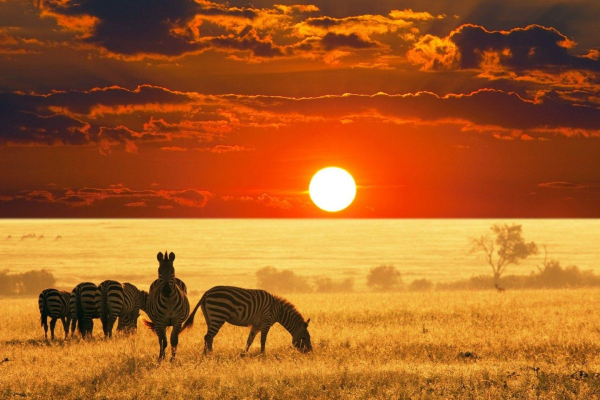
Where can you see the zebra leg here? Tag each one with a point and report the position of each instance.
(213, 329)
(52, 325)
(253, 332)
(264, 331)
(65, 322)
(162, 341)
(104, 320)
(175, 340)
(111, 324)
(45, 324)
(73, 326)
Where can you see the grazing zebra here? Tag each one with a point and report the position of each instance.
(109, 300)
(83, 308)
(167, 305)
(134, 300)
(248, 307)
(54, 304)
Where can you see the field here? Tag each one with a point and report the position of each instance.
(518, 344)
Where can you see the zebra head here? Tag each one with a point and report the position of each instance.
(128, 323)
(166, 272)
(301, 340)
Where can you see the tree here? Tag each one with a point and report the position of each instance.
(384, 278)
(328, 285)
(510, 244)
(285, 281)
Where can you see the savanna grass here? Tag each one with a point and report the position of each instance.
(518, 344)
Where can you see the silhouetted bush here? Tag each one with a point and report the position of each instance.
(384, 278)
(328, 285)
(285, 281)
(552, 276)
(421, 285)
(27, 283)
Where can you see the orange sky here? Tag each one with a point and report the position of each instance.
(186, 108)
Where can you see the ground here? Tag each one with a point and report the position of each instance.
(517, 344)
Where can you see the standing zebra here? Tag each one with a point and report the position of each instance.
(248, 307)
(109, 300)
(134, 300)
(167, 305)
(83, 308)
(55, 304)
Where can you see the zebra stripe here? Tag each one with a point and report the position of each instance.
(109, 300)
(83, 308)
(54, 304)
(167, 305)
(249, 307)
(134, 300)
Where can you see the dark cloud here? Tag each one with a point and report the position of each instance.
(474, 47)
(68, 117)
(24, 120)
(483, 107)
(334, 40)
(569, 185)
(130, 28)
(128, 197)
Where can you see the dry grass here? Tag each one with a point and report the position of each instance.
(519, 344)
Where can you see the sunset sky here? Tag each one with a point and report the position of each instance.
(183, 108)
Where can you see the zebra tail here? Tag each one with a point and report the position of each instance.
(149, 325)
(189, 322)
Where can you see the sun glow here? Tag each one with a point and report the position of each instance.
(332, 189)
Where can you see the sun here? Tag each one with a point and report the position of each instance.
(332, 189)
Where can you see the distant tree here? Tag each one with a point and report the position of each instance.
(421, 285)
(286, 281)
(384, 278)
(26, 283)
(328, 285)
(33, 282)
(6, 284)
(507, 244)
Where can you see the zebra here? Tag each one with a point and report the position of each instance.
(109, 300)
(167, 305)
(134, 300)
(83, 308)
(54, 304)
(258, 309)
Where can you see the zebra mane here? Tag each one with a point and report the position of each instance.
(289, 307)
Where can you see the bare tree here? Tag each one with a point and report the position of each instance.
(504, 247)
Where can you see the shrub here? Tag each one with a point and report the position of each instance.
(384, 278)
(27, 283)
(285, 281)
(328, 285)
(421, 285)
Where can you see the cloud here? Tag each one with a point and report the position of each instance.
(535, 53)
(127, 197)
(156, 117)
(569, 185)
(148, 29)
(333, 41)
(484, 107)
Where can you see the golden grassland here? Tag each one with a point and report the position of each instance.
(519, 344)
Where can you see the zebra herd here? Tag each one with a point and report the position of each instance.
(167, 305)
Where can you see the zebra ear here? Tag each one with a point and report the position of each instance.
(171, 257)
(307, 321)
(159, 257)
